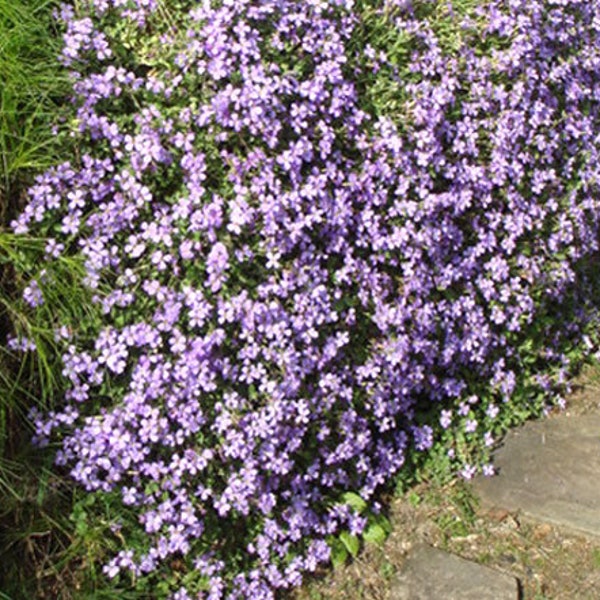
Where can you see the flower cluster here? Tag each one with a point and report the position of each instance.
(295, 276)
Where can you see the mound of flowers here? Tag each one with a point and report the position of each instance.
(304, 281)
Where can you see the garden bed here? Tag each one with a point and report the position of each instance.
(303, 253)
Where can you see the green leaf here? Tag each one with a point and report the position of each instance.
(354, 501)
(81, 526)
(385, 524)
(351, 542)
(375, 534)
(339, 554)
(414, 499)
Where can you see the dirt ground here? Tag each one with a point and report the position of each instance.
(550, 564)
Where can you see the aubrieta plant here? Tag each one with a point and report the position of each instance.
(304, 282)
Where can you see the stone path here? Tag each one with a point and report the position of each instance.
(549, 470)
(431, 574)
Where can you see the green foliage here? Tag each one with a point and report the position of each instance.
(45, 526)
(460, 517)
(33, 87)
(355, 502)
(38, 545)
(339, 552)
(64, 300)
(350, 542)
(376, 533)
(347, 545)
(384, 90)
(33, 525)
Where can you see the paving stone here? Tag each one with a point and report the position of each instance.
(432, 574)
(550, 470)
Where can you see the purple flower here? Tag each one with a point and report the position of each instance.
(32, 294)
(296, 273)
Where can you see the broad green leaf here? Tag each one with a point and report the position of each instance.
(375, 534)
(354, 501)
(339, 554)
(351, 542)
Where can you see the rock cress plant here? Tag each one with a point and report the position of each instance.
(297, 275)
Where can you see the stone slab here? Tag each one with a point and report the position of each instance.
(550, 470)
(432, 574)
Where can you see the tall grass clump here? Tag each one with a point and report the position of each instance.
(35, 501)
(34, 88)
(325, 243)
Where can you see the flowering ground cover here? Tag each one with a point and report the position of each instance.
(326, 245)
